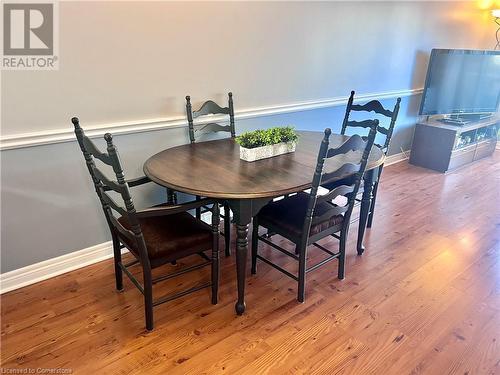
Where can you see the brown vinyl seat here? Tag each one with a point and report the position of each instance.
(287, 216)
(172, 237)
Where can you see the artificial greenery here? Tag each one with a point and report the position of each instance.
(267, 137)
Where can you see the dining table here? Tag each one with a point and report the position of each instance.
(214, 169)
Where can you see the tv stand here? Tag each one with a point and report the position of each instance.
(444, 147)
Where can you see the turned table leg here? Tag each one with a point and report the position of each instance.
(241, 262)
(244, 210)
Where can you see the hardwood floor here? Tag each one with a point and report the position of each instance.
(423, 299)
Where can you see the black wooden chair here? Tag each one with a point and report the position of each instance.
(306, 218)
(376, 107)
(207, 108)
(155, 236)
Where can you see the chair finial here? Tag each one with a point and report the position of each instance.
(328, 131)
(76, 122)
(353, 92)
(188, 98)
(398, 100)
(230, 94)
(109, 139)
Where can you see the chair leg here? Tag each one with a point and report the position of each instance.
(171, 197)
(301, 296)
(227, 229)
(372, 205)
(255, 244)
(198, 210)
(215, 253)
(148, 297)
(215, 273)
(118, 259)
(343, 240)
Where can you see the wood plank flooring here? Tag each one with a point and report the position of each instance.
(423, 299)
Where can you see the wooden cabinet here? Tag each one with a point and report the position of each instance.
(444, 147)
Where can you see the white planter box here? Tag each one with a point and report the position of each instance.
(264, 152)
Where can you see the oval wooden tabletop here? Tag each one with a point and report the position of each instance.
(214, 169)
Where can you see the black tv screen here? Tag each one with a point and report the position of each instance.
(461, 81)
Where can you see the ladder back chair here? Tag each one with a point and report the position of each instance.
(376, 107)
(154, 236)
(305, 218)
(211, 108)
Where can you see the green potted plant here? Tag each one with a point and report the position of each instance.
(262, 144)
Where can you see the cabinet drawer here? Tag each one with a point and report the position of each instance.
(462, 157)
(484, 149)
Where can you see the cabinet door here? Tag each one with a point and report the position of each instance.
(462, 156)
(485, 148)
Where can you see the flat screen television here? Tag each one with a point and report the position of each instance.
(461, 82)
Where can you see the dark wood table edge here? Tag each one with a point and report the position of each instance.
(239, 195)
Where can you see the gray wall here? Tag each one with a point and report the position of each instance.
(128, 61)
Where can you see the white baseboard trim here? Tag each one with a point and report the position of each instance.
(53, 267)
(66, 134)
(396, 158)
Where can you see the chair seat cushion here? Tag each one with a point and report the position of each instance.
(172, 237)
(287, 216)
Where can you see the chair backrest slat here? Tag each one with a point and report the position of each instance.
(110, 201)
(111, 185)
(338, 191)
(347, 169)
(208, 108)
(376, 107)
(352, 144)
(214, 127)
(94, 151)
(383, 130)
(372, 106)
(366, 124)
